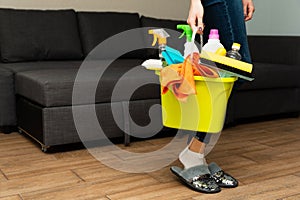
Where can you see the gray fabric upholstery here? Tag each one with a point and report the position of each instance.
(50, 87)
(59, 127)
(54, 87)
(268, 76)
(40, 65)
(32, 35)
(95, 27)
(144, 119)
(7, 99)
(265, 102)
(275, 49)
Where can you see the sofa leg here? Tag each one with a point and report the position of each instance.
(45, 148)
(126, 139)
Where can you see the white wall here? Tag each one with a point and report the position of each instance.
(275, 17)
(168, 9)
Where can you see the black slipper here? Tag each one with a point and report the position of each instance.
(197, 178)
(222, 178)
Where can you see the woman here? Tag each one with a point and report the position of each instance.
(228, 16)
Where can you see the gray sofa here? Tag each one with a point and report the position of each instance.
(42, 51)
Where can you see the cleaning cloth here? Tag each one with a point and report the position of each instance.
(180, 77)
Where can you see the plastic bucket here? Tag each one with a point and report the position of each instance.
(203, 112)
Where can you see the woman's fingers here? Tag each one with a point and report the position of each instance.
(195, 15)
(248, 9)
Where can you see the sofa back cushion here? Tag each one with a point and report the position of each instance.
(275, 49)
(30, 35)
(161, 23)
(95, 27)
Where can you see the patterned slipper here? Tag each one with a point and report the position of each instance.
(197, 178)
(222, 178)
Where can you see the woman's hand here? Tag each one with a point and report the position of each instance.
(196, 15)
(248, 9)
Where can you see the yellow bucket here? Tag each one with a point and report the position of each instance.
(203, 112)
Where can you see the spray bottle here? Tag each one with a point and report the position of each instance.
(189, 46)
(161, 36)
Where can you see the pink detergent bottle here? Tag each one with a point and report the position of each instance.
(213, 43)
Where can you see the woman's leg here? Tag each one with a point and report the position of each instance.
(199, 142)
(193, 154)
(236, 13)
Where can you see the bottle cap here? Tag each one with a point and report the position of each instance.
(236, 46)
(214, 34)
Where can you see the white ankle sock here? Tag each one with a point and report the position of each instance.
(190, 159)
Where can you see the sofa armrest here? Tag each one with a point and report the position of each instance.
(7, 99)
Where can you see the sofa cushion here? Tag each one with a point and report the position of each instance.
(31, 35)
(95, 27)
(40, 65)
(54, 87)
(162, 23)
(272, 76)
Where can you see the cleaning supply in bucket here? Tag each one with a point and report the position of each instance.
(192, 51)
(152, 64)
(234, 52)
(179, 77)
(172, 56)
(213, 56)
(167, 54)
(189, 46)
(227, 65)
(213, 45)
(161, 36)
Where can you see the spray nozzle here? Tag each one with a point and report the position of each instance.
(187, 30)
(159, 34)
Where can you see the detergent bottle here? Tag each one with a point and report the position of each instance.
(189, 46)
(234, 53)
(214, 45)
(161, 36)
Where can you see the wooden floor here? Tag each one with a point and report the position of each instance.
(264, 157)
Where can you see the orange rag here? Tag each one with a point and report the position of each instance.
(181, 77)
